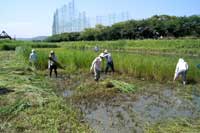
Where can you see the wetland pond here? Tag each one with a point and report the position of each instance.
(124, 112)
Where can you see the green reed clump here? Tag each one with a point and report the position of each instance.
(22, 53)
(7, 47)
(124, 87)
(18, 106)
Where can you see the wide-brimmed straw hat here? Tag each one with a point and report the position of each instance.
(105, 51)
(52, 52)
(101, 55)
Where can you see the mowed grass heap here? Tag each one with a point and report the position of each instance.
(28, 102)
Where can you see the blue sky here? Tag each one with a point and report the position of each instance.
(29, 18)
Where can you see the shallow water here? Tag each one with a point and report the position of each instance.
(196, 100)
(165, 105)
(109, 119)
(68, 93)
(127, 115)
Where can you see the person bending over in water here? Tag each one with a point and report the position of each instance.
(96, 66)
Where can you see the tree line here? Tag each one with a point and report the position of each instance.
(151, 28)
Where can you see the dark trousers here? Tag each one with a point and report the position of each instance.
(97, 74)
(53, 67)
(183, 74)
(110, 65)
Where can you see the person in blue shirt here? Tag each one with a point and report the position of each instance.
(109, 61)
(33, 58)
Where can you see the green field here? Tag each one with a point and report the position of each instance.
(177, 46)
(139, 97)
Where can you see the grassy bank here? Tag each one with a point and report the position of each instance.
(28, 102)
(174, 46)
(12, 44)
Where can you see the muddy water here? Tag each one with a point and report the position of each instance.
(162, 106)
(110, 119)
(196, 101)
(68, 93)
(111, 116)
(125, 114)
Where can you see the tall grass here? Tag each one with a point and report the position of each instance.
(187, 46)
(148, 67)
(72, 60)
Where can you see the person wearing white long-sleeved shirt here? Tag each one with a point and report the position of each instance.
(181, 69)
(96, 66)
(33, 58)
(109, 60)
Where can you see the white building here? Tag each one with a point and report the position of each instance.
(67, 19)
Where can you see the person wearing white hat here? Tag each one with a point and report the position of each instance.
(33, 58)
(52, 63)
(181, 69)
(96, 66)
(109, 60)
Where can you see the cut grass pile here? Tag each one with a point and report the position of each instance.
(123, 86)
(28, 102)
